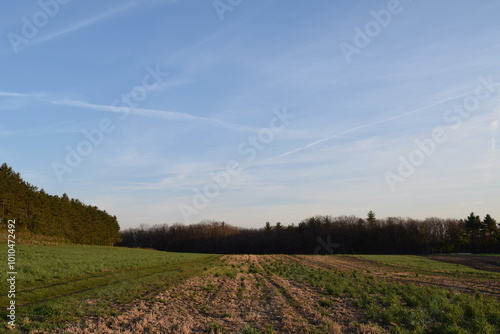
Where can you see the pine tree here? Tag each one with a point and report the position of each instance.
(371, 217)
(473, 222)
(490, 224)
(39, 213)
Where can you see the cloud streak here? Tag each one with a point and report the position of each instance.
(152, 113)
(5, 133)
(14, 94)
(494, 131)
(319, 141)
(88, 22)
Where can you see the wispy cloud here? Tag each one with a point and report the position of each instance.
(4, 133)
(14, 94)
(319, 141)
(169, 115)
(153, 113)
(494, 131)
(89, 21)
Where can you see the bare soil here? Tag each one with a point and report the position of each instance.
(463, 282)
(488, 263)
(248, 300)
(239, 297)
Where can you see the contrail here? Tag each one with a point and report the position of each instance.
(88, 22)
(13, 94)
(153, 113)
(134, 111)
(494, 132)
(160, 114)
(366, 126)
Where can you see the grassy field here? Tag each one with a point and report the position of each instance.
(77, 289)
(394, 300)
(61, 283)
(420, 262)
(51, 264)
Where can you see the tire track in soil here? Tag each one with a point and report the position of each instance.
(487, 287)
(342, 317)
(192, 308)
(291, 316)
(282, 315)
(200, 304)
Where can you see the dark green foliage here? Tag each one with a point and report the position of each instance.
(40, 213)
(490, 224)
(371, 217)
(473, 222)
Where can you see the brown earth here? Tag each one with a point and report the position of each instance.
(235, 302)
(488, 263)
(239, 297)
(464, 282)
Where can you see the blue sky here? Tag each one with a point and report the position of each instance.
(254, 111)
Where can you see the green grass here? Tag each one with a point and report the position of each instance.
(420, 262)
(40, 265)
(60, 284)
(401, 308)
(252, 330)
(56, 283)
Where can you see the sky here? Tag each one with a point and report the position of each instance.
(254, 111)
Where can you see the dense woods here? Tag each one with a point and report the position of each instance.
(40, 213)
(72, 221)
(325, 235)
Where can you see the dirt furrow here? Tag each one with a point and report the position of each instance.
(487, 287)
(326, 313)
(239, 298)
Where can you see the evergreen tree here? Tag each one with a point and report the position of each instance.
(490, 224)
(473, 222)
(39, 213)
(371, 217)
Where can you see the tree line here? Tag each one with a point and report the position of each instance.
(66, 218)
(325, 235)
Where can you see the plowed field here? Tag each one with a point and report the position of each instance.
(311, 294)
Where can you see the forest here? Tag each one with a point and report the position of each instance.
(39, 213)
(72, 221)
(325, 235)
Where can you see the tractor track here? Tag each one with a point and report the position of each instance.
(487, 287)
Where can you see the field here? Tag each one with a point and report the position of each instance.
(82, 289)
(57, 284)
(490, 263)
